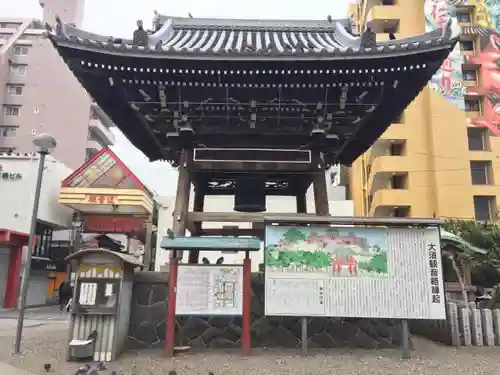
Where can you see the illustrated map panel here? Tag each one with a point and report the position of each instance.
(209, 290)
(353, 272)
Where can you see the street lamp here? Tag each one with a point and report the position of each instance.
(44, 144)
(76, 224)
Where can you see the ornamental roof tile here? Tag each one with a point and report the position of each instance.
(243, 39)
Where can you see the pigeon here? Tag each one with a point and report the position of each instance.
(220, 260)
(82, 370)
(47, 367)
(190, 15)
(170, 234)
(205, 260)
(329, 18)
(101, 366)
(392, 36)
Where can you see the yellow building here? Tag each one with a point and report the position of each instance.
(442, 157)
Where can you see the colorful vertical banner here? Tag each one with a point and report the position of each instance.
(485, 30)
(448, 79)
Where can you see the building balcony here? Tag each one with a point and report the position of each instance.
(473, 114)
(468, 53)
(384, 16)
(7, 142)
(13, 100)
(469, 83)
(9, 120)
(395, 132)
(383, 166)
(101, 132)
(385, 200)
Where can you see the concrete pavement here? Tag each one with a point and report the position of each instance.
(36, 313)
(7, 369)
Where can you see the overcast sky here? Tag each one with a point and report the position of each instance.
(118, 17)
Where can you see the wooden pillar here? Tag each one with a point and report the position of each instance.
(148, 251)
(179, 229)
(199, 202)
(170, 326)
(320, 189)
(182, 198)
(246, 327)
(301, 203)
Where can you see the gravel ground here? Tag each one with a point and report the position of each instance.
(46, 344)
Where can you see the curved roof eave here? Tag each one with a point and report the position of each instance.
(199, 39)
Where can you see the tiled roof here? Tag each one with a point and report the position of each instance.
(191, 37)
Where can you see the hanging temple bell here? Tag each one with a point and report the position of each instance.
(250, 194)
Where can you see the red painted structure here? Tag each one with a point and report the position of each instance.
(246, 314)
(15, 241)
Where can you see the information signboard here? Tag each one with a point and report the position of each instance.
(211, 243)
(354, 272)
(209, 290)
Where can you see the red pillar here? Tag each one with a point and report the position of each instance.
(172, 287)
(247, 306)
(13, 277)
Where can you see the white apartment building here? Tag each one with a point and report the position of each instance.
(38, 93)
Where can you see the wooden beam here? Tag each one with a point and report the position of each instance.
(235, 217)
(232, 232)
(304, 219)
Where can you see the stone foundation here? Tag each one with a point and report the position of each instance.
(149, 311)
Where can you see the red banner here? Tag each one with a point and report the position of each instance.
(113, 224)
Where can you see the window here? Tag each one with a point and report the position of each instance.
(398, 181)
(477, 139)
(18, 69)
(11, 110)
(401, 212)
(466, 45)
(15, 89)
(391, 30)
(20, 50)
(484, 207)
(397, 149)
(44, 239)
(480, 172)
(472, 105)
(8, 131)
(469, 75)
(464, 17)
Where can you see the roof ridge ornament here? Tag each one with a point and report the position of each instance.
(141, 37)
(59, 27)
(451, 29)
(368, 38)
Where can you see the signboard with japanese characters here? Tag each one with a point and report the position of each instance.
(9, 175)
(101, 199)
(113, 224)
(354, 272)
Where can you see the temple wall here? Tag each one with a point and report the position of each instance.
(149, 311)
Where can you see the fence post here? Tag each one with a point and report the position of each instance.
(487, 322)
(496, 325)
(452, 315)
(464, 321)
(476, 327)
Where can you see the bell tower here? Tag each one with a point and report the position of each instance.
(250, 175)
